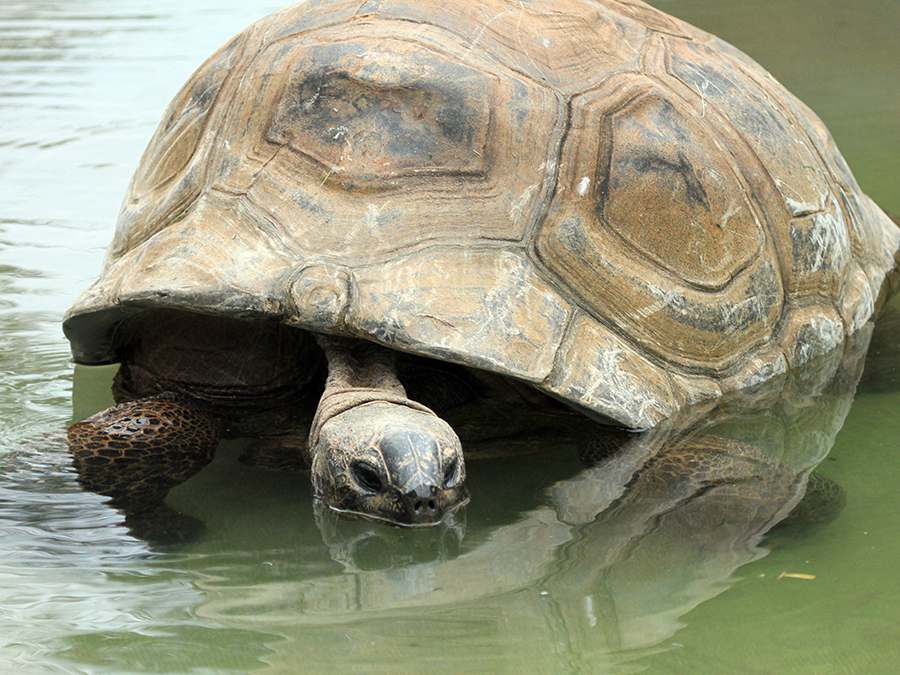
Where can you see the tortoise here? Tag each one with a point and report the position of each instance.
(591, 198)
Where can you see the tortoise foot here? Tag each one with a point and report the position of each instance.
(134, 452)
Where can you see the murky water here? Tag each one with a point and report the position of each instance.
(264, 589)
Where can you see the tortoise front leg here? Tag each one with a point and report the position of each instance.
(134, 452)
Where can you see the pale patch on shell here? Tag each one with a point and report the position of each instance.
(583, 185)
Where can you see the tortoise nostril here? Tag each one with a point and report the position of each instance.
(422, 505)
(366, 476)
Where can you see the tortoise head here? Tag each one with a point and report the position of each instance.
(388, 461)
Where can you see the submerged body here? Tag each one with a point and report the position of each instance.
(591, 198)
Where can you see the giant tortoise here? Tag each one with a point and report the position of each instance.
(586, 196)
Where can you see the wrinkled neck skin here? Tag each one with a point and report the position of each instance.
(358, 372)
(373, 451)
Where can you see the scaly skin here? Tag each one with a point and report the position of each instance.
(134, 452)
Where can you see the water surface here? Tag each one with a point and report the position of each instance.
(82, 87)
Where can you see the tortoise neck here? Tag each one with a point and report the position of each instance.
(357, 364)
(359, 372)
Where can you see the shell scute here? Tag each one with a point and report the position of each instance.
(668, 179)
(567, 45)
(600, 372)
(486, 308)
(820, 253)
(760, 120)
(654, 231)
(375, 113)
(173, 170)
(320, 296)
(179, 135)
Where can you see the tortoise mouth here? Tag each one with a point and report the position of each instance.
(448, 515)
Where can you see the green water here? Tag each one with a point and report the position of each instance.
(82, 86)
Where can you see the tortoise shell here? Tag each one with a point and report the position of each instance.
(591, 197)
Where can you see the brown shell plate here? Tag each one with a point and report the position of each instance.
(592, 197)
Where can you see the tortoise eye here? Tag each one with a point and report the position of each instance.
(366, 476)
